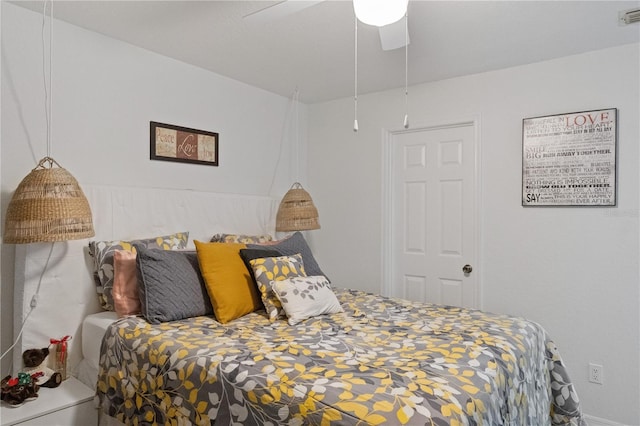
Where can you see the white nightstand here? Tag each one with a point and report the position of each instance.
(70, 404)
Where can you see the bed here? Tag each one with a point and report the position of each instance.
(381, 361)
(94, 327)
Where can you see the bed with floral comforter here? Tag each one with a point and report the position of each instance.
(382, 361)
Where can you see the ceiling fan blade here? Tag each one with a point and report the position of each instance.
(279, 10)
(392, 36)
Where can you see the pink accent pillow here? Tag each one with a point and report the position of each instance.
(125, 283)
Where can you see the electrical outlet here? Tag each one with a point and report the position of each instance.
(595, 373)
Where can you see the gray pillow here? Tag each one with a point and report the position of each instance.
(170, 285)
(293, 245)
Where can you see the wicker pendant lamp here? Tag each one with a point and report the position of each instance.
(297, 211)
(48, 206)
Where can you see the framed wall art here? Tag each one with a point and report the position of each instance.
(570, 159)
(182, 144)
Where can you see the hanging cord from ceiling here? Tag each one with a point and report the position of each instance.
(296, 130)
(48, 90)
(355, 77)
(406, 73)
(48, 96)
(292, 112)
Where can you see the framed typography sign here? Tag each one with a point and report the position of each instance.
(570, 159)
(182, 144)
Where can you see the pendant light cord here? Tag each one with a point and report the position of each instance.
(296, 95)
(47, 109)
(355, 77)
(48, 90)
(292, 110)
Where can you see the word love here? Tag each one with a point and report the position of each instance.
(595, 119)
(189, 146)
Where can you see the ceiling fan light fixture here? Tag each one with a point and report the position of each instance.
(631, 16)
(380, 12)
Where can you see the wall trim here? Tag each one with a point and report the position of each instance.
(596, 421)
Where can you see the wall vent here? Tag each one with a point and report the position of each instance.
(631, 16)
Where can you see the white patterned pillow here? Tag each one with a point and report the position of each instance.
(306, 297)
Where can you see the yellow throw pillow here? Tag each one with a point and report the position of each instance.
(231, 289)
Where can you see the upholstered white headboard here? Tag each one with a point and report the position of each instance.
(67, 291)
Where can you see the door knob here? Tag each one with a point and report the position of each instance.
(467, 269)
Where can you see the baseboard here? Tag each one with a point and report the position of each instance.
(596, 421)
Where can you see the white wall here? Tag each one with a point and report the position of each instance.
(574, 270)
(105, 92)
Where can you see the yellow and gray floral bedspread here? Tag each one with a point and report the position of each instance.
(382, 361)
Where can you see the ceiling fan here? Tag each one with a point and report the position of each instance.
(392, 36)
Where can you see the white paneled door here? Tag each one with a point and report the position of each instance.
(433, 217)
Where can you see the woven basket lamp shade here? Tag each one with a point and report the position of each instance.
(297, 211)
(48, 206)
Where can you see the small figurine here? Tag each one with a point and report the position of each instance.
(16, 390)
(34, 364)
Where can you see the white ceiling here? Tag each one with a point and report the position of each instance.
(313, 49)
